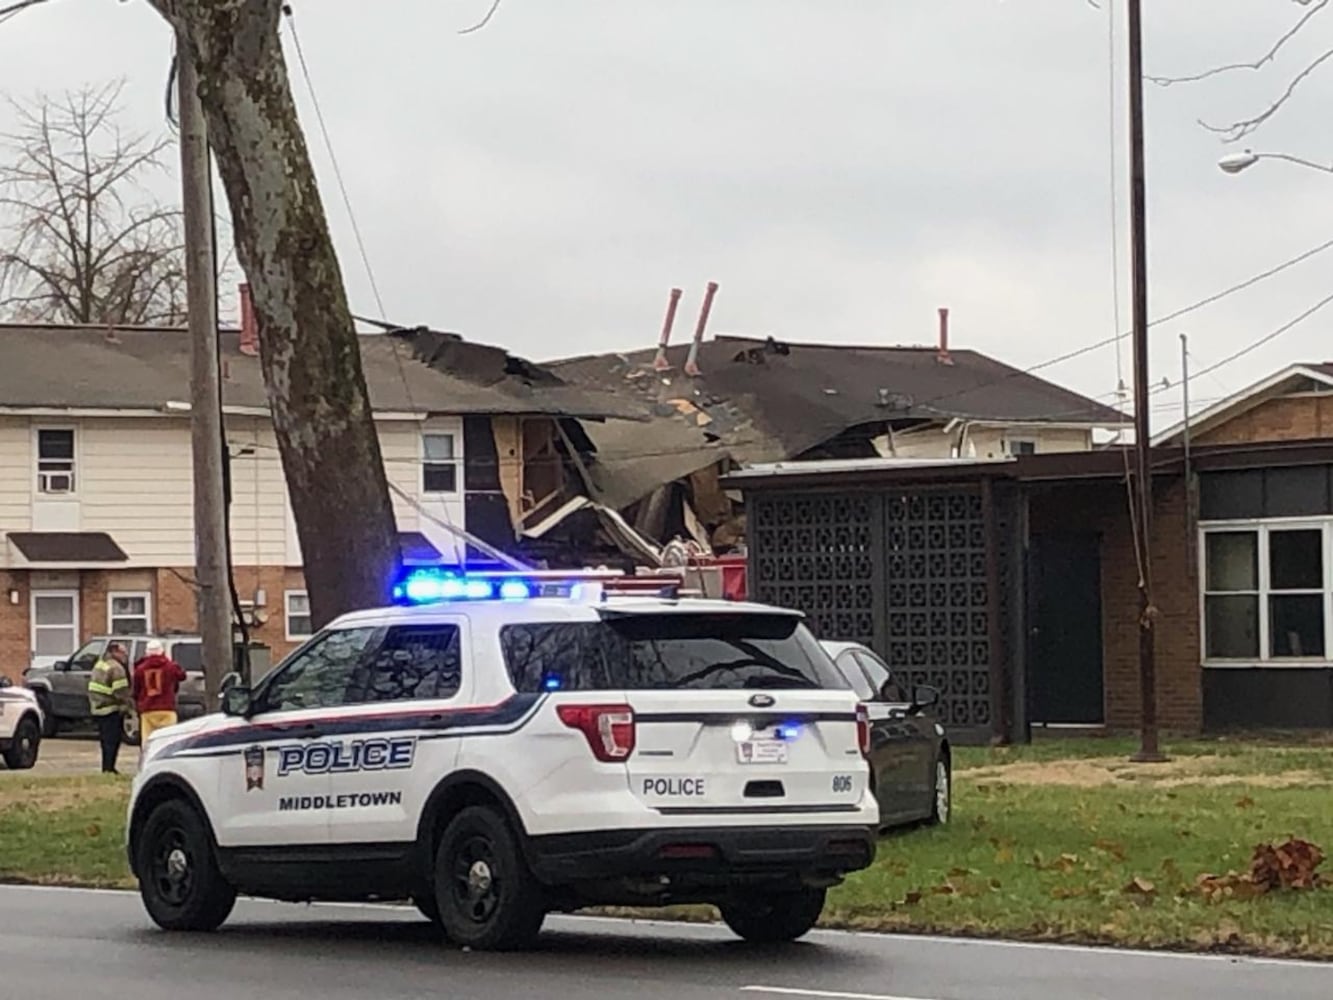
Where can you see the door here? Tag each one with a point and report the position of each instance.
(915, 731)
(1065, 651)
(894, 755)
(274, 787)
(69, 683)
(54, 615)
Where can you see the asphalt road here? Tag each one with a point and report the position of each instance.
(56, 944)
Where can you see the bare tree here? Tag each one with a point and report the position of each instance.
(308, 344)
(1236, 130)
(83, 241)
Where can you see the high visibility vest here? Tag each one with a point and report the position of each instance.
(108, 688)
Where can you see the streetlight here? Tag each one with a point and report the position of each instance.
(1234, 163)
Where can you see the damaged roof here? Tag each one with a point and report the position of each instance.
(759, 401)
(66, 367)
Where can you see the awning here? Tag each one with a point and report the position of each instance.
(67, 547)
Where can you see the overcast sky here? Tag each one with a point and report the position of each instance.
(840, 167)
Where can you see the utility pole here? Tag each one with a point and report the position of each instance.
(210, 523)
(1141, 511)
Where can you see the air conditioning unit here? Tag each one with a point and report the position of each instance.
(56, 482)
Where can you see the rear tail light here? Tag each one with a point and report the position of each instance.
(609, 729)
(863, 729)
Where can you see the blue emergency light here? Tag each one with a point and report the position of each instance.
(432, 585)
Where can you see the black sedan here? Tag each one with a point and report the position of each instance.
(910, 763)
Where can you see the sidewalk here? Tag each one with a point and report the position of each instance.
(74, 755)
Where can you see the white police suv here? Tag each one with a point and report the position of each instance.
(496, 748)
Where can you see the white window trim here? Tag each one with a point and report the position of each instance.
(73, 596)
(37, 460)
(1263, 526)
(455, 461)
(147, 609)
(287, 615)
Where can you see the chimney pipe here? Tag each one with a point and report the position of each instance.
(660, 362)
(249, 324)
(692, 362)
(943, 357)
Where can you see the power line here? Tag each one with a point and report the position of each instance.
(1107, 341)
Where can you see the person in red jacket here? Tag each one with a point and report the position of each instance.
(157, 679)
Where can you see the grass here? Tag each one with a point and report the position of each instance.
(1045, 844)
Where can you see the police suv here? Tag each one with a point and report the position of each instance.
(496, 748)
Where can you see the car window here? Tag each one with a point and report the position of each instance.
(87, 655)
(190, 655)
(879, 675)
(139, 650)
(318, 675)
(644, 652)
(413, 662)
(850, 669)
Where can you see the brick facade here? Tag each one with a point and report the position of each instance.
(1287, 418)
(173, 605)
(1103, 507)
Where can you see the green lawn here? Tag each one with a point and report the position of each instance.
(1046, 842)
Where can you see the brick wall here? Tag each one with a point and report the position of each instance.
(1288, 418)
(14, 632)
(1103, 507)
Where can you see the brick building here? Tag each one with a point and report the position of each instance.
(1012, 584)
(96, 479)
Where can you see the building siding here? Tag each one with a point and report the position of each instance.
(1287, 418)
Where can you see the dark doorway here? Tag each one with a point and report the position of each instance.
(1065, 662)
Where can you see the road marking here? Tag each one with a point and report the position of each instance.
(828, 994)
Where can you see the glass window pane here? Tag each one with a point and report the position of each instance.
(1296, 625)
(318, 676)
(438, 447)
(190, 655)
(58, 444)
(439, 479)
(1231, 627)
(53, 641)
(53, 610)
(414, 662)
(1233, 560)
(1296, 560)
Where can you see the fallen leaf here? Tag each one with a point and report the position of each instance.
(93, 830)
(1245, 802)
(912, 898)
(1141, 887)
(1110, 847)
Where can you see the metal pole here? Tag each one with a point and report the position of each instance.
(1148, 744)
(1185, 394)
(210, 524)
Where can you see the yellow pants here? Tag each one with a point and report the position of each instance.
(151, 721)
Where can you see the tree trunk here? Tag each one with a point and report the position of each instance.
(308, 344)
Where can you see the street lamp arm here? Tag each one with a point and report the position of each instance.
(1234, 163)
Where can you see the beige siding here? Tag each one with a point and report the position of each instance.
(258, 494)
(136, 484)
(16, 476)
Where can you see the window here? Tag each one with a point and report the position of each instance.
(439, 469)
(881, 678)
(855, 676)
(55, 460)
(55, 623)
(666, 652)
(1267, 593)
(190, 655)
(413, 662)
(129, 614)
(1022, 447)
(318, 675)
(297, 612)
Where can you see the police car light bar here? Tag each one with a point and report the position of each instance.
(437, 584)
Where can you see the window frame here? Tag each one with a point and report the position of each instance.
(1264, 527)
(291, 636)
(144, 595)
(38, 474)
(452, 463)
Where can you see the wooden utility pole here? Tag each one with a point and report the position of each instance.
(1141, 511)
(210, 522)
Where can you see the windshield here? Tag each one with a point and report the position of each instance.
(668, 651)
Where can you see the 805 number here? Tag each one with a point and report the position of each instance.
(842, 782)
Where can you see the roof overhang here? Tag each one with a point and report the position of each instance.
(1238, 403)
(65, 550)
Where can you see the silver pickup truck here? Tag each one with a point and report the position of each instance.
(62, 688)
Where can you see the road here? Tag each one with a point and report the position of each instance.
(56, 944)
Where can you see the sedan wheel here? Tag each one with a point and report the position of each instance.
(943, 803)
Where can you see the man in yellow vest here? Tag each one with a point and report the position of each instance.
(110, 700)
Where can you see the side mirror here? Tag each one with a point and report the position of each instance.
(60, 665)
(236, 700)
(229, 682)
(924, 696)
(5, 682)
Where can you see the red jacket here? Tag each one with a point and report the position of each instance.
(156, 681)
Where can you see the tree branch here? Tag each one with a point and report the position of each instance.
(495, 5)
(1315, 7)
(1239, 130)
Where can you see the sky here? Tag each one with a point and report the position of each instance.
(842, 168)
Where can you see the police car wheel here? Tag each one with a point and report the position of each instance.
(22, 752)
(773, 918)
(486, 896)
(179, 880)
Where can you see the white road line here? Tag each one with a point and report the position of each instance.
(829, 994)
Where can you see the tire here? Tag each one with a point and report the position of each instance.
(773, 918)
(50, 724)
(941, 804)
(486, 896)
(179, 881)
(130, 730)
(23, 748)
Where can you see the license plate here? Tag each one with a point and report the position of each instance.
(762, 752)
